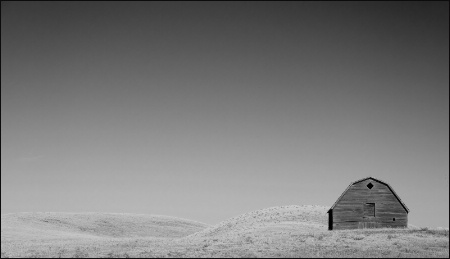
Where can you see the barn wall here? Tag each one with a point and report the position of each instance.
(349, 211)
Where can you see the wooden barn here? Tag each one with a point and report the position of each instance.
(368, 203)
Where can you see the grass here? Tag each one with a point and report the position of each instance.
(287, 231)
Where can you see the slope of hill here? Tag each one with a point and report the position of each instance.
(84, 225)
(294, 217)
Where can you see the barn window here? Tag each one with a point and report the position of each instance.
(370, 185)
(393, 219)
(369, 210)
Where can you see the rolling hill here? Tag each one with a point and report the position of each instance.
(294, 217)
(285, 231)
(84, 225)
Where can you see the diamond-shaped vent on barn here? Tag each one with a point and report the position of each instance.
(370, 185)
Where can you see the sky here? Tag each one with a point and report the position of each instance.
(208, 110)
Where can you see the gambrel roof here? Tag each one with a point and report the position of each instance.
(390, 188)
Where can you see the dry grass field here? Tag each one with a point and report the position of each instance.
(286, 231)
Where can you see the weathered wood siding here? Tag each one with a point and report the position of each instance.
(354, 210)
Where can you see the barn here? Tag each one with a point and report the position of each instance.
(368, 203)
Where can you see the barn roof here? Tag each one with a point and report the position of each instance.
(390, 188)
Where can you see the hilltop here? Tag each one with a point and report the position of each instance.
(294, 217)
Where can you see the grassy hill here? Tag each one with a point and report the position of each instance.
(293, 218)
(84, 225)
(286, 231)
(71, 234)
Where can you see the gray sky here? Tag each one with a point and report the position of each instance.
(209, 110)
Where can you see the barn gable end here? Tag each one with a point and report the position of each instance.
(368, 203)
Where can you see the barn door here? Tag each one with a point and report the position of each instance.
(368, 216)
(369, 210)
